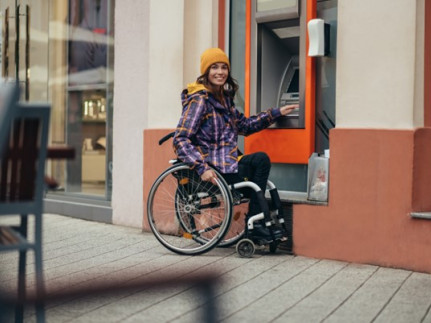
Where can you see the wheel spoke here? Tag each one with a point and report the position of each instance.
(187, 215)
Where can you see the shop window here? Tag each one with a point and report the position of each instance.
(62, 51)
(89, 95)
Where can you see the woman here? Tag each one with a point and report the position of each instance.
(207, 133)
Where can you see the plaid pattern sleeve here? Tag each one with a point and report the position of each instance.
(248, 126)
(188, 125)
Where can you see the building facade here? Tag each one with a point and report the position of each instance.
(365, 99)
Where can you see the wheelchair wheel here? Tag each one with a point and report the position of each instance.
(237, 227)
(187, 215)
(245, 248)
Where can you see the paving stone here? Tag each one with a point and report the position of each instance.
(80, 254)
(411, 303)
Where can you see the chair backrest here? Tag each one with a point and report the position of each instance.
(22, 166)
(9, 96)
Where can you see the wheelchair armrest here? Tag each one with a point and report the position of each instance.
(168, 136)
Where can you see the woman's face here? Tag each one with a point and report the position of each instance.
(218, 74)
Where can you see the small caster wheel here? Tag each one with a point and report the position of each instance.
(245, 248)
(273, 246)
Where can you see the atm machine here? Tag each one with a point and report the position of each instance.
(279, 65)
(280, 73)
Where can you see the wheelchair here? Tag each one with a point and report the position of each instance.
(189, 216)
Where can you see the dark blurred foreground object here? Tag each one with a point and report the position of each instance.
(204, 285)
(9, 96)
(23, 150)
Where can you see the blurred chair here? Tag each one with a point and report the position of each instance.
(9, 96)
(22, 167)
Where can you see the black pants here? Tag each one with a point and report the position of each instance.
(255, 168)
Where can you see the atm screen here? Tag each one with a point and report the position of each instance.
(278, 76)
(291, 96)
(294, 84)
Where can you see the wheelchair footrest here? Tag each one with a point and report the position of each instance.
(262, 235)
(241, 201)
(238, 198)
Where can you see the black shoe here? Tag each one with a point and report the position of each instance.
(263, 233)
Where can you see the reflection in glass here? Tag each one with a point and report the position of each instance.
(88, 41)
(87, 48)
(87, 133)
(88, 85)
(64, 54)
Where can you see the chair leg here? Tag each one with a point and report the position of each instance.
(40, 288)
(19, 310)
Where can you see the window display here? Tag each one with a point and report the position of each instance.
(89, 78)
(70, 65)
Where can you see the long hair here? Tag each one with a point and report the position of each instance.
(230, 87)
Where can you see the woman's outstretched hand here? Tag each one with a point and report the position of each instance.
(285, 110)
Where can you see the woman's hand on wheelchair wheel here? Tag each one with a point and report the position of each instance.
(209, 176)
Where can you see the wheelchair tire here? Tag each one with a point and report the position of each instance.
(187, 215)
(236, 231)
(245, 248)
(237, 225)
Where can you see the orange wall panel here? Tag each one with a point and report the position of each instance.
(284, 145)
(372, 190)
(156, 160)
(427, 65)
(422, 170)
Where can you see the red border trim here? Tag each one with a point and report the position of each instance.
(427, 65)
(247, 57)
(221, 23)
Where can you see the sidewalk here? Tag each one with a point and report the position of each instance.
(265, 288)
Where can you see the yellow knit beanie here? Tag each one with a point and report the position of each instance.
(211, 56)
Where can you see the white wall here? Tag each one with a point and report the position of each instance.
(200, 33)
(130, 108)
(179, 32)
(376, 61)
(166, 62)
(418, 113)
(157, 51)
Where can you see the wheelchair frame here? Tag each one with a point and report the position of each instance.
(203, 213)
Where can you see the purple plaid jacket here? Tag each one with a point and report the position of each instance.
(207, 132)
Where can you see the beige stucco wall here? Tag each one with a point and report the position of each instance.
(165, 61)
(130, 102)
(179, 32)
(200, 33)
(157, 49)
(418, 112)
(378, 57)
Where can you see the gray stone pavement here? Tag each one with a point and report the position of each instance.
(266, 288)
